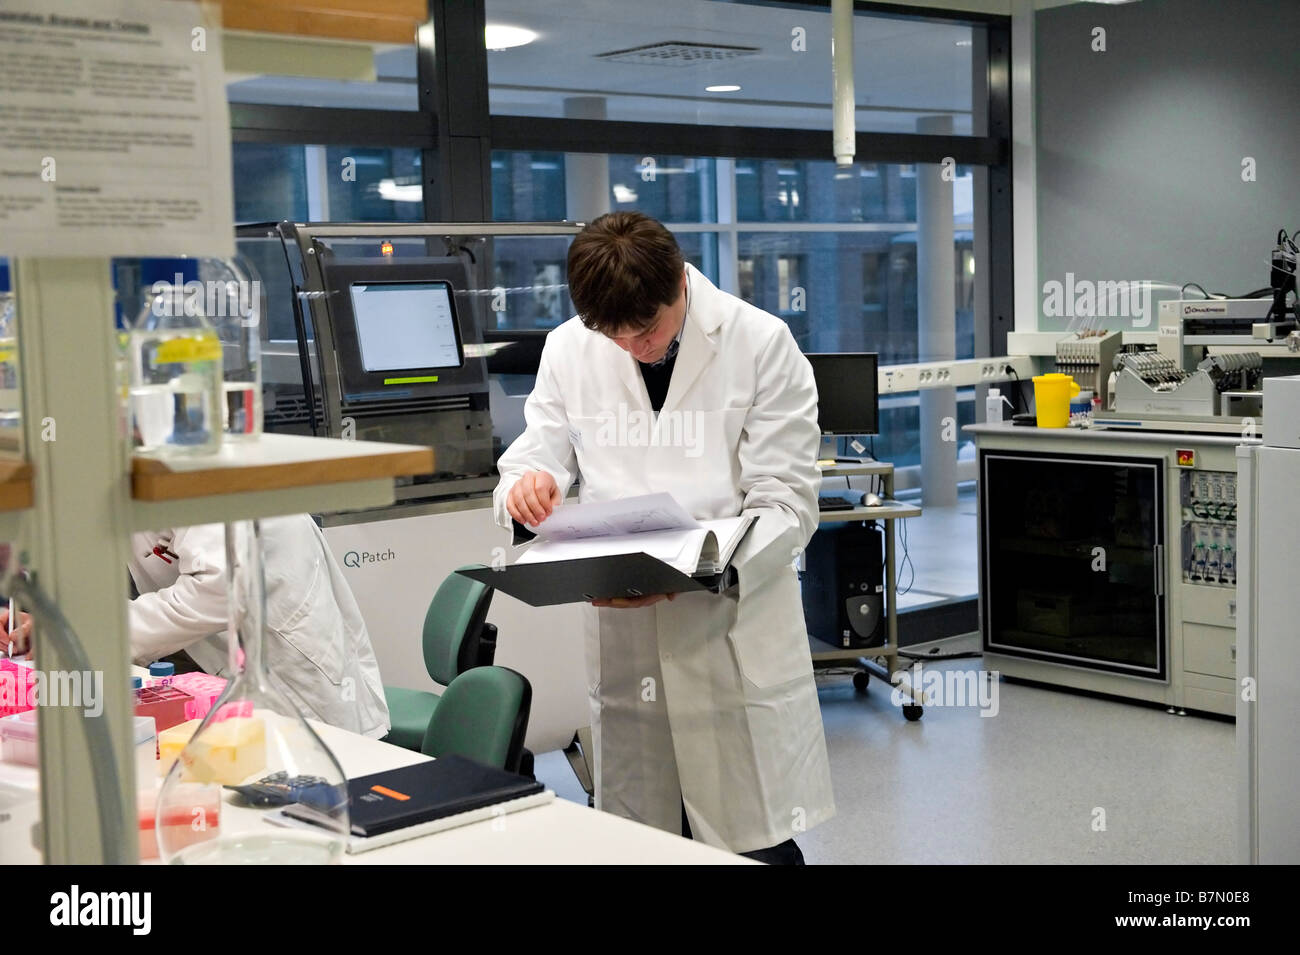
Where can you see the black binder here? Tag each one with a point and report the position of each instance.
(595, 578)
(399, 798)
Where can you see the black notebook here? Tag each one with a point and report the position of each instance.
(399, 798)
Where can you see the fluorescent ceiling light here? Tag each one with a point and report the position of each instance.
(722, 89)
(499, 36)
(963, 43)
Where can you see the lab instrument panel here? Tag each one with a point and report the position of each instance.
(387, 332)
(1209, 527)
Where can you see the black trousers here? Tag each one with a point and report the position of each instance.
(786, 853)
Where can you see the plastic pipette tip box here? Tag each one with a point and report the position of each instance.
(166, 704)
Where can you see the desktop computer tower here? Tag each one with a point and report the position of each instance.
(843, 585)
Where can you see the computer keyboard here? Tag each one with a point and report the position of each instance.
(836, 502)
(828, 502)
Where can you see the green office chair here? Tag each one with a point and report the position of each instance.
(482, 715)
(456, 638)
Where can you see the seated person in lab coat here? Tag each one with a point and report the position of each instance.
(704, 708)
(315, 644)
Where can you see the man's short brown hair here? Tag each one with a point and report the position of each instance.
(623, 267)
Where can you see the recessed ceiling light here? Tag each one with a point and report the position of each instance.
(498, 36)
(722, 89)
(963, 42)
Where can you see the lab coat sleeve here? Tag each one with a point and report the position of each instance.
(192, 608)
(545, 443)
(778, 462)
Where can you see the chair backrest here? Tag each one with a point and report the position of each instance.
(452, 626)
(482, 715)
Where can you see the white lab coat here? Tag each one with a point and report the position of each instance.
(315, 644)
(707, 700)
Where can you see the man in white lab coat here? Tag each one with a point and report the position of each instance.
(315, 645)
(704, 707)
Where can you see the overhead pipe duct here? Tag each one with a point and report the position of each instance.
(844, 133)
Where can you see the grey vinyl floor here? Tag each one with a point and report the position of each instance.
(1052, 778)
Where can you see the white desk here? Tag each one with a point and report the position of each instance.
(560, 832)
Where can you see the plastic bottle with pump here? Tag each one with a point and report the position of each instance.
(993, 405)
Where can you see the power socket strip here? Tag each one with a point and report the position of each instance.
(892, 379)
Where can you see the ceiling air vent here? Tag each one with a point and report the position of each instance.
(677, 53)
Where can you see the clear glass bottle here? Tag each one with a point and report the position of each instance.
(11, 418)
(253, 734)
(176, 391)
(236, 309)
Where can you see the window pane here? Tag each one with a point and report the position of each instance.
(270, 182)
(326, 184)
(769, 190)
(528, 187)
(654, 62)
(850, 291)
(373, 185)
(533, 187)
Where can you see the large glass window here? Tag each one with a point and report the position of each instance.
(844, 281)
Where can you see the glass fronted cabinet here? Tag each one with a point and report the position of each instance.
(1073, 560)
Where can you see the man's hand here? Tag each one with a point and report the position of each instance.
(632, 603)
(21, 638)
(533, 498)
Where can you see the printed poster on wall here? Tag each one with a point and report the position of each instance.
(114, 130)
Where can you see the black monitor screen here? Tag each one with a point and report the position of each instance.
(405, 325)
(846, 392)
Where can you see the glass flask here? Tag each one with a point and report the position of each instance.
(176, 391)
(251, 757)
(236, 306)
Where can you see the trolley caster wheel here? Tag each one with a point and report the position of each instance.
(860, 681)
(913, 711)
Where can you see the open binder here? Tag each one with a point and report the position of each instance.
(628, 548)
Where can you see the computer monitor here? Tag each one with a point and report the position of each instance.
(847, 397)
(406, 326)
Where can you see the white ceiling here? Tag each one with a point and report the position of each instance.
(903, 69)
(899, 64)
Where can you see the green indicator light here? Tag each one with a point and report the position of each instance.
(419, 379)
